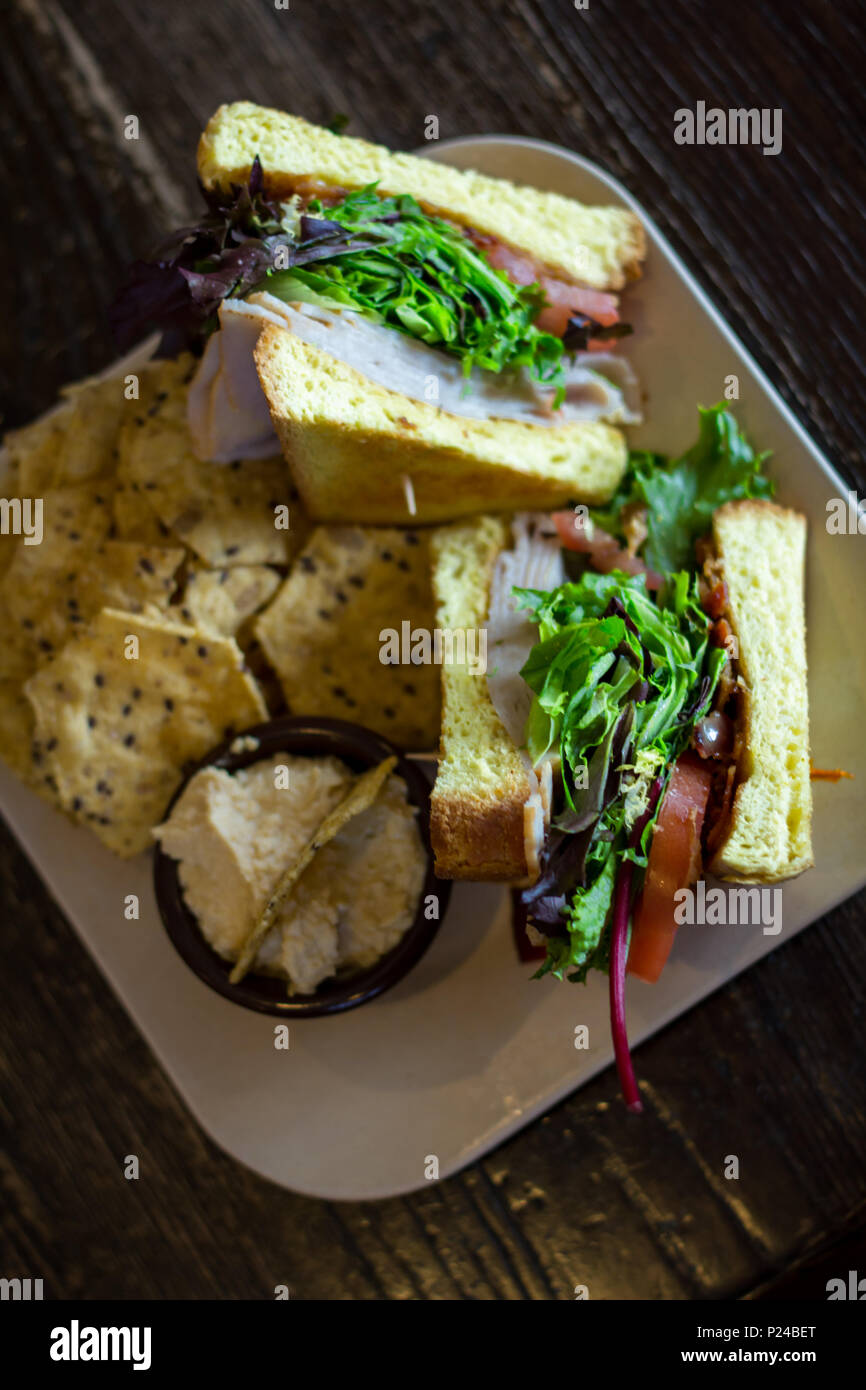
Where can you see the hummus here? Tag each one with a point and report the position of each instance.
(233, 835)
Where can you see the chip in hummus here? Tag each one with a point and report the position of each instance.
(235, 834)
(358, 896)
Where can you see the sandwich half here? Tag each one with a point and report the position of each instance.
(446, 341)
(485, 807)
(644, 713)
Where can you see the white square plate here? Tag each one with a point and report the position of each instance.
(468, 1048)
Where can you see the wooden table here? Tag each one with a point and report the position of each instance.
(771, 1067)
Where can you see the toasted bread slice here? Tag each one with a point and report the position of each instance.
(351, 444)
(482, 785)
(762, 547)
(600, 247)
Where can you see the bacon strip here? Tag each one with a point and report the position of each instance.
(604, 550)
(564, 299)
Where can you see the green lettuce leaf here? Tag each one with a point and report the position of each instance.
(681, 494)
(587, 917)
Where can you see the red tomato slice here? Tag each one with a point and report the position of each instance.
(674, 862)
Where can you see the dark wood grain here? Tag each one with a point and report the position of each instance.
(771, 1067)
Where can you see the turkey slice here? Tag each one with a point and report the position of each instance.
(228, 413)
(533, 562)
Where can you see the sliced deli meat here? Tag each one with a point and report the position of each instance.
(534, 561)
(229, 417)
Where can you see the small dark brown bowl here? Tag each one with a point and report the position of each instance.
(359, 748)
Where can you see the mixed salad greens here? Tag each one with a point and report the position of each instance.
(386, 258)
(620, 677)
(383, 257)
(620, 680)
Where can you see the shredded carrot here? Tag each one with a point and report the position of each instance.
(829, 774)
